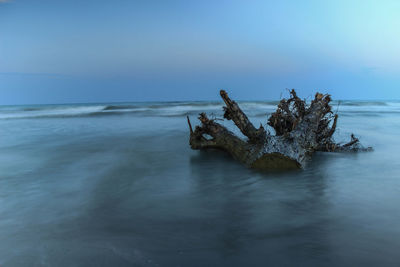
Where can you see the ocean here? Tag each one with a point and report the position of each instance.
(118, 185)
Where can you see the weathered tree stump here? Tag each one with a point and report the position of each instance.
(300, 130)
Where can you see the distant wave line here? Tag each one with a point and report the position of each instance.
(254, 109)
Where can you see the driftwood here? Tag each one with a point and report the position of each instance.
(300, 130)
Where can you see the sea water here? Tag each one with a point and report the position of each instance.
(118, 185)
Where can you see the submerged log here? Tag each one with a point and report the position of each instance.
(300, 130)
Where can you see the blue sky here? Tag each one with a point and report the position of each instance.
(146, 50)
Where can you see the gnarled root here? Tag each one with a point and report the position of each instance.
(300, 129)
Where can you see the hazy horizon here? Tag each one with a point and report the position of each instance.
(216, 100)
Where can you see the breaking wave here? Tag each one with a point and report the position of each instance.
(179, 109)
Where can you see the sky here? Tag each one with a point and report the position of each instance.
(69, 51)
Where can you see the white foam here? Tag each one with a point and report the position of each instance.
(51, 112)
(178, 109)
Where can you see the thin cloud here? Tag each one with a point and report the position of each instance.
(5, 1)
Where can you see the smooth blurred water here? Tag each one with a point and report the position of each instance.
(118, 185)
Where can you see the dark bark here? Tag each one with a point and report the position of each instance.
(300, 130)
